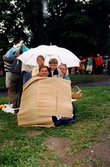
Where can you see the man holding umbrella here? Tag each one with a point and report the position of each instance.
(16, 78)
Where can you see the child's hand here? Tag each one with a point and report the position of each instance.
(38, 74)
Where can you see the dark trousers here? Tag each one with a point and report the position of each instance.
(98, 70)
(64, 121)
(16, 89)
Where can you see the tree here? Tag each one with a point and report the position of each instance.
(81, 26)
(72, 26)
(99, 12)
(22, 20)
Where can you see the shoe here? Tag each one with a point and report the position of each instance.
(72, 120)
(16, 111)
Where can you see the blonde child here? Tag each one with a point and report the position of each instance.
(64, 70)
(40, 62)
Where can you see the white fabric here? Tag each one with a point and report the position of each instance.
(8, 109)
(61, 54)
(27, 68)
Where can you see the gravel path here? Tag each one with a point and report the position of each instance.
(93, 84)
(3, 94)
(89, 84)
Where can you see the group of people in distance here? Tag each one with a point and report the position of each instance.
(16, 78)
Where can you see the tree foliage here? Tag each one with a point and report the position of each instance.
(81, 26)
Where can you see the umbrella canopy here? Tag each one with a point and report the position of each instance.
(61, 54)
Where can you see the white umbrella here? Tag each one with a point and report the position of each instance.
(61, 54)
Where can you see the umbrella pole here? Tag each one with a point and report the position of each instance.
(60, 59)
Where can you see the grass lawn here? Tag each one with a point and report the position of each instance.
(31, 146)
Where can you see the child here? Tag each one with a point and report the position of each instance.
(40, 62)
(61, 120)
(64, 69)
(53, 66)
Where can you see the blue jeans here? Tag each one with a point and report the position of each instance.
(26, 76)
(63, 120)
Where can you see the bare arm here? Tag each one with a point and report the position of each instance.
(18, 51)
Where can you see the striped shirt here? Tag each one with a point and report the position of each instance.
(7, 67)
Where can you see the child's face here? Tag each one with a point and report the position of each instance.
(40, 61)
(44, 72)
(53, 66)
(63, 69)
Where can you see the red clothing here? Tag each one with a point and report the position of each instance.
(98, 61)
(79, 68)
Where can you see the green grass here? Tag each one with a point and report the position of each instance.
(17, 149)
(2, 82)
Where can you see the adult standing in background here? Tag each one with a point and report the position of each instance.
(7, 69)
(89, 66)
(98, 64)
(16, 78)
